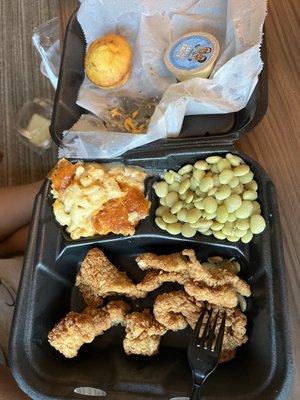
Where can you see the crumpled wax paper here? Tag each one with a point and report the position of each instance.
(150, 26)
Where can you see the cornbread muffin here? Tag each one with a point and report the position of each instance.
(108, 61)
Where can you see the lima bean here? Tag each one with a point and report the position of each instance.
(186, 169)
(206, 183)
(184, 186)
(210, 204)
(223, 192)
(169, 218)
(223, 164)
(245, 210)
(257, 224)
(222, 214)
(247, 238)
(250, 195)
(189, 197)
(160, 210)
(233, 202)
(160, 223)
(234, 160)
(174, 229)
(207, 233)
(246, 178)
(234, 182)
(160, 188)
(201, 164)
(214, 169)
(209, 215)
(231, 217)
(251, 185)
(187, 231)
(232, 238)
(204, 223)
(181, 215)
(241, 170)
(243, 224)
(225, 176)
(193, 215)
(174, 187)
(213, 159)
(169, 177)
(219, 235)
(238, 189)
(176, 207)
(216, 226)
(171, 198)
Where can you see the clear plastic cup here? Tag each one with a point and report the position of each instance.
(33, 122)
(46, 40)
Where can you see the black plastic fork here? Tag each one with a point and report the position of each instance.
(203, 355)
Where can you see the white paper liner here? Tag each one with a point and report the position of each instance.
(150, 26)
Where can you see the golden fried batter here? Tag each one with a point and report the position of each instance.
(235, 330)
(215, 277)
(218, 286)
(154, 279)
(143, 334)
(75, 329)
(98, 278)
(175, 262)
(175, 310)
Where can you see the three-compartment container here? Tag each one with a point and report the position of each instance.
(262, 367)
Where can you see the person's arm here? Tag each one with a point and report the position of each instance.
(15, 244)
(16, 205)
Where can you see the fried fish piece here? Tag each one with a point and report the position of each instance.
(215, 277)
(75, 329)
(175, 310)
(218, 286)
(175, 262)
(143, 333)
(224, 296)
(99, 278)
(235, 330)
(154, 279)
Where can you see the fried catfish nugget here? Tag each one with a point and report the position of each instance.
(217, 286)
(143, 334)
(99, 278)
(235, 330)
(175, 310)
(75, 329)
(175, 262)
(154, 279)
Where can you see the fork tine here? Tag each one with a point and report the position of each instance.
(203, 337)
(199, 324)
(211, 335)
(219, 341)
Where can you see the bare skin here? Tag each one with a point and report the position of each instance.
(16, 204)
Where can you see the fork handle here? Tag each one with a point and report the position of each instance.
(196, 393)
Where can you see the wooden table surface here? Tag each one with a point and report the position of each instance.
(274, 143)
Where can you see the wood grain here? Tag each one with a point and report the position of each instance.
(275, 142)
(20, 81)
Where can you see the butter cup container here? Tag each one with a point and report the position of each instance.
(192, 55)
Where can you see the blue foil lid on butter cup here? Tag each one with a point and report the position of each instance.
(192, 55)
